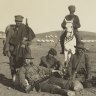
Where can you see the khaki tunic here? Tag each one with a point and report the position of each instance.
(32, 73)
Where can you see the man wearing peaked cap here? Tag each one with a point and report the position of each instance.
(52, 51)
(76, 25)
(49, 61)
(18, 40)
(19, 18)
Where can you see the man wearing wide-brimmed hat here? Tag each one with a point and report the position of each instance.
(31, 73)
(76, 24)
(79, 64)
(18, 38)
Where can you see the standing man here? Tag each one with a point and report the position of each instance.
(18, 39)
(79, 64)
(76, 25)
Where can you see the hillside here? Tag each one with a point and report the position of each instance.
(84, 34)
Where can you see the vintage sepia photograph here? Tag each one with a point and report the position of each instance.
(47, 48)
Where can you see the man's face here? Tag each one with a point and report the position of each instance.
(18, 23)
(72, 12)
(27, 61)
(50, 55)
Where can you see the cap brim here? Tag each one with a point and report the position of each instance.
(28, 58)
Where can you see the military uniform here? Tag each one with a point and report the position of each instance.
(76, 25)
(81, 64)
(18, 38)
(64, 85)
(32, 73)
(50, 61)
(55, 84)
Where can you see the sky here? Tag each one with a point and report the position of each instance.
(47, 15)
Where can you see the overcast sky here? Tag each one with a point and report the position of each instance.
(47, 15)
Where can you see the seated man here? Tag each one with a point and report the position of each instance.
(49, 61)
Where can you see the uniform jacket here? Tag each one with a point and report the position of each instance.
(76, 22)
(76, 25)
(15, 36)
(32, 73)
(84, 64)
(50, 62)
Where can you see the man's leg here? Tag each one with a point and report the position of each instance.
(62, 40)
(64, 84)
(52, 88)
(62, 43)
(12, 68)
(78, 37)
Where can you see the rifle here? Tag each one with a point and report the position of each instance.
(27, 28)
(30, 31)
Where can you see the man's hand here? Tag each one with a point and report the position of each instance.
(24, 42)
(71, 93)
(23, 46)
(58, 71)
(7, 53)
(28, 88)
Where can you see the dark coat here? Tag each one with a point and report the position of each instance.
(76, 25)
(51, 62)
(32, 73)
(14, 38)
(76, 22)
(83, 67)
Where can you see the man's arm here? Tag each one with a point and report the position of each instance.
(58, 65)
(9, 32)
(43, 62)
(63, 25)
(76, 22)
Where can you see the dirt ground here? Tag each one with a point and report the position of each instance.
(6, 85)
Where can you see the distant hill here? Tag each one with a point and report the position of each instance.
(84, 34)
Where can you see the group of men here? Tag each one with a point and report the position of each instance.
(50, 75)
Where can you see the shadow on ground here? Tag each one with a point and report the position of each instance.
(5, 81)
(8, 83)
